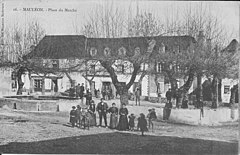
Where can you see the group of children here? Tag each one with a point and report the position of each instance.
(142, 121)
(80, 117)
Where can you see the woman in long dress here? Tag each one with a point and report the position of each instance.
(123, 120)
(91, 110)
(113, 117)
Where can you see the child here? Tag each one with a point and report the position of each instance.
(142, 123)
(151, 117)
(131, 122)
(78, 115)
(85, 118)
(73, 116)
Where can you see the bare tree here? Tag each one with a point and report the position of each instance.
(106, 21)
(19, 41)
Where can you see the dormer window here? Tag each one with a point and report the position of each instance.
(107, 51)
(55, 63)
(137, 51)
(93, 51)
(151, 45)
(122, 51)
(162, 48)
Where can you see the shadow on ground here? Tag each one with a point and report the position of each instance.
(119, 142)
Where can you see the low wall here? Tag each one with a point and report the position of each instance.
(29, 105)
(192, 116)
(211, 117)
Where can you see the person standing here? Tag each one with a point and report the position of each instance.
(88, 97)
(142, 123)
(151, 117)
(78, 90)
(131, 122)
(91, 110)
(169, 95)
(102, 108)
(114, 116)
(73, 116)
(78, 115)
(81, 92)
(137, 96)
(123, 120)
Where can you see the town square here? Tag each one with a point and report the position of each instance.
(111, 77)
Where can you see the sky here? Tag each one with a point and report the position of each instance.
(62, 22)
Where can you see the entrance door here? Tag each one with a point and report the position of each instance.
(37, 85)
(55, 85)
(107, 90)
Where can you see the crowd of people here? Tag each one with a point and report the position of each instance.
(85, 117)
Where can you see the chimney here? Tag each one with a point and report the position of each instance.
(201, 38)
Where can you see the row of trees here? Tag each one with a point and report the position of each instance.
(204, 58)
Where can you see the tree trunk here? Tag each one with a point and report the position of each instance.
(187, 85)
(199, 96)
(43, 85)
(122, 88)
(70, 79)
(141, 78)
(124, 97)
(31, 82)
(214, 92)
(156, 83)
(91, 86)
(233, 95)
(220, 90)
(20, 72)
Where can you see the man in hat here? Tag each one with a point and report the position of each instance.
(102, 108)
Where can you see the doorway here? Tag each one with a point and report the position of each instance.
(107, 90)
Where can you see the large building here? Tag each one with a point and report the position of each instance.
(64, 51)
(60, 50)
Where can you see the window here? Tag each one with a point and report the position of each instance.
(151, 45)
(37, 84)
(107, 51)
(120, 68)
(159, 67)
(122, 51)
(14, 75)
(137, 51)
(143, 66)
(162, 48)
(55, 64)
(227, 89)
(93, 51)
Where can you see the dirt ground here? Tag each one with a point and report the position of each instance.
(49, 132)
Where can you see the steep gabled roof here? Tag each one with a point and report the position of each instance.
(78, 46)
(59, 47)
